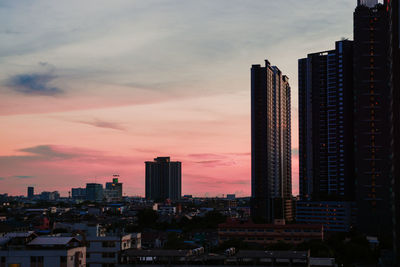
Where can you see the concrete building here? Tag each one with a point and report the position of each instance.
(197, 257)
(104, 248)
(326, 137)
(94, 192)
(28, 250)
(163, 179)
(270, 143)
(269, 233)
(372, 116)
(78, 193)
(49, 196)
(113, 190)
(166, 210)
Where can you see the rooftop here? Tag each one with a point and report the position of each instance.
(52, 241)
(249, 224)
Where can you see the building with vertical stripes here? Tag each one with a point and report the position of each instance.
(326, 165)
(270, 144)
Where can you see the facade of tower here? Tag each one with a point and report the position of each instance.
(395, 87)
(113, 190)
(372, 115)
(326, 165)
(270, 144)
(94, 192)
(30, 192)
(163, 179)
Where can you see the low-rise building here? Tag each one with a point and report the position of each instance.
(104, 249)
(269, 233)
(197, 257)
(27, 250)
(167, 210)
(335, 216)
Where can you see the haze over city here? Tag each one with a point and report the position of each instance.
(96, 88)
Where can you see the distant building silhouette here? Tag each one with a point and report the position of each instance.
(113, 191)
(49, 196)
(270, 144)
(78, 193)
(163, 179)
(372, 116)
(326, 137)
(94, 192)
(31, 192)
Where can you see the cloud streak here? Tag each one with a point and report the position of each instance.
(23, 177)
(104, 124)
(47, 152)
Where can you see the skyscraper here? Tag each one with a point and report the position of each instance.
(395, 87)
(270, 143)
(30, 192)
(326, 165)
(163, 179)
(372, 114)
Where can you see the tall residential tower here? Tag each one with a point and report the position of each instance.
(271, 179)
(163, 179)
(372, 116)
(326, 165)
(395, 87)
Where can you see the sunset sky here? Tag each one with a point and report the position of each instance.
(93, 88)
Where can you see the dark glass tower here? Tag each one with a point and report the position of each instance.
(163, 179)
(395, 87)
(30, 192)
(326, 165)
(94, 192)
(372, 127)
(270, 144)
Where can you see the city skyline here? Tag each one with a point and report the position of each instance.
(63, 94)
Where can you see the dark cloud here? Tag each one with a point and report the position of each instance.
(47, 151)
(23, 177)
(2, 178)
(34, 84)
(215, 163)
(104, 124)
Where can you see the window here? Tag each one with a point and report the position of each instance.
(63, 261)
(87, 255)
(37, 261)
(108, 244)
(108, 255)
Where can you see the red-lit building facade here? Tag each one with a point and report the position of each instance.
(269, 233)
